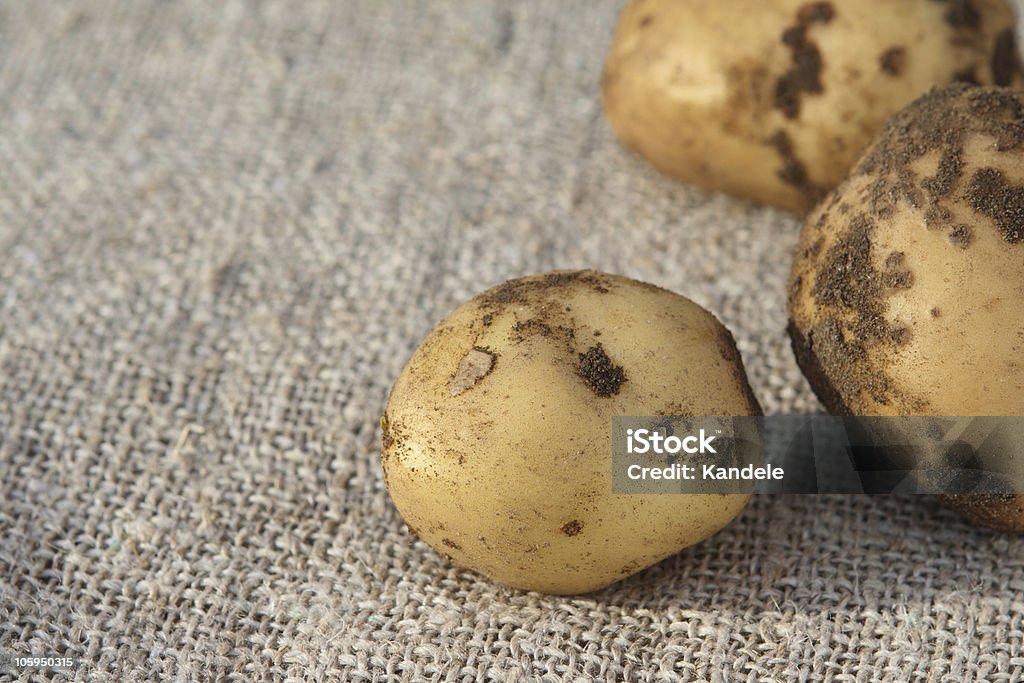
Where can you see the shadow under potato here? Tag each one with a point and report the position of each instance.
(855, 556)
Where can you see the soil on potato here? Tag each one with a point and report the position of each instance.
(849, 292)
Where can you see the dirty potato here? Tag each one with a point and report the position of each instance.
(775, 101)
(497, 434)
(907, 290)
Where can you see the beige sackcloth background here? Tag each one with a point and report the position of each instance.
(225, 226)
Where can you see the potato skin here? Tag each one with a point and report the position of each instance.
(775, 101)
(906, 295)
(497, 434)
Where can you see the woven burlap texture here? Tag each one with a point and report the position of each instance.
(224, 227)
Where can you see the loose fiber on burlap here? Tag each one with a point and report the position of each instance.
(223, 229)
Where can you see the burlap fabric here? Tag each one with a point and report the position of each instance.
(223, 229)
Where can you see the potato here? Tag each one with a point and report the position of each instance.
(906, 295)
(774, 101)
(497, 434)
